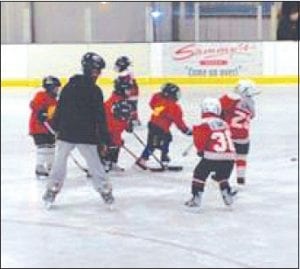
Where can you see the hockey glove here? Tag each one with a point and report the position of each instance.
(42, 116)
(129, 128)
(200, 153)
(188, 132)
(103, 150)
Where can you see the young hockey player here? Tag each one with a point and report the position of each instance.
(118, 112)
(166, 111)
(42, 109)
(212, 139)
(122, 67)
(80, 122)
(238, 110)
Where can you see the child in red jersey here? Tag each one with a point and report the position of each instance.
(122, 66)
(238, 110)
(166, 111)
(118, 113)
(212, 139)
(42, 109)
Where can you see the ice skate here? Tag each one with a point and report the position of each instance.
(116, 168)
(194, 203)
(241, 181)
(107, 166)
(165, 160)
(49, 197)
(228, 196)
(142, 163)
(107, 197)
(41, 173)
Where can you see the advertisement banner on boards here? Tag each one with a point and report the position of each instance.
(212, 59)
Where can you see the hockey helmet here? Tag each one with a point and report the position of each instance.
(246, 88)
(171, 90)
(50, 83)
(211, 105)
(122, 63)
(122, 110)
(91, 61)
(122, 87)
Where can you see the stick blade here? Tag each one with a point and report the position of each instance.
(166, 168)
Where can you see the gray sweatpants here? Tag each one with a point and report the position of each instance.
(89, 152)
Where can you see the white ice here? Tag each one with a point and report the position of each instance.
(150, 226)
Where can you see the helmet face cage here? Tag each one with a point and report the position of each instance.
(211, 105)
(91, 61)
(50, 83)
(122, 110)
(171, 90)
(122, 63)
(246, 88)
(122, 87)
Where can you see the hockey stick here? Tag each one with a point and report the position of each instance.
(153, 169)
(187, 150)
(50, 129)
(144, 144)
(163, 167)
(134, 157)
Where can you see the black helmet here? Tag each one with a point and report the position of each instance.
(171, 90)
(50, 83)
(122, 87)
(122, 63)
(91, 61)
(122, 110)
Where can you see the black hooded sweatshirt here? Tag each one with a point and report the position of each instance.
(80, 116)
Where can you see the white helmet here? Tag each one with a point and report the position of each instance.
(211, 105)
(246, 88)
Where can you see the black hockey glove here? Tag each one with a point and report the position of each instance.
(200, 153)
(129, 129)
(188, 132)
(42, 115)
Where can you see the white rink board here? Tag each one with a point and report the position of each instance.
(149, 227)
(35, 61)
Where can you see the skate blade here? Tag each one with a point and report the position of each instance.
(41, 178)
(110, 207)
(48, 205)
(137, 168)
(192, 210)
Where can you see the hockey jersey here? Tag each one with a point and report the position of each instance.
(166, 111)
(42, 101)
(128, 76)
(238, 112)
(212, 138)
(115, 126)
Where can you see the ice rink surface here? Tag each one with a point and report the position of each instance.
(149, 226)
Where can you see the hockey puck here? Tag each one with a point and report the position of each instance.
(293, 159)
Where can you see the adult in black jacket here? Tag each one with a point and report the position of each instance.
(80, 122)
(80, 117)
(288, 26)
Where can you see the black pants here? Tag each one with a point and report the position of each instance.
(113, 154)
(242, 148)
(222, 169)
(157, 139)
(42, 139)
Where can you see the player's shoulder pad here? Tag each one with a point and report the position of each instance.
(233, 96)
(40, 95)
(214, 123)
